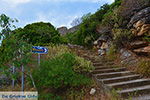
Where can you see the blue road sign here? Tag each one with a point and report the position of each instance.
(40, 50)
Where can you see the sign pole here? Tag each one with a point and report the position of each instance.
(39, 50)
(13, 72)
(22, 79)
(39, 57)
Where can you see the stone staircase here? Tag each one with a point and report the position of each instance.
(126, 84)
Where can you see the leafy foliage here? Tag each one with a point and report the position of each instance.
(13, 51)
(112, 53)
(76, 21)
(58, 74)
(38, 34)
(6, 25)
(122, 37)
(88, 28)
(82, 65)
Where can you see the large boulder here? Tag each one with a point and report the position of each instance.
(142, 17)
(140, 22)
(138, 44)
(145, 51)
(62, 30)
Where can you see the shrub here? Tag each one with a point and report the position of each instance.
(56, 50)
(57, 74)
(39, 33)
(49, 96)
(82, 65)
(122, 37)
(111, 54)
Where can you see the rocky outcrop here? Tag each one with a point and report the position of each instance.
(140, 22)
(130, 7)
(140, 48)
(65, 30)
(140, 26)
(137, 44)
(73, 29)
(143, 16)
(145, 51)
(62, 30)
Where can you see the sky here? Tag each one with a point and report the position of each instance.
(57, 12)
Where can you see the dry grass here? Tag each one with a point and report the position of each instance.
(56, 50)
(144, 67)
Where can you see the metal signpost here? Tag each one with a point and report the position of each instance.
(22, 78)
(13, 80)
(39, 50)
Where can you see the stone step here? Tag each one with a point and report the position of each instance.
(142, 90)
(113, 74)
(130, 84)
(120, 79)
(97, 64)
(143, 97)
(102, 67)
(108, 70)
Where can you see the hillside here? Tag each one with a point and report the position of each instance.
(105, 57)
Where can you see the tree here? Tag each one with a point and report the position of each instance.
(76, 22)
(86, 16)
(38, 33)
(6, 26)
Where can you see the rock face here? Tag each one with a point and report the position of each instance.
(65, 30)
(140, 22)
(143, 16)
(143, 51)
(140, 26)
(62, 30)
(141, 48)
(130, 7)
(138, 44)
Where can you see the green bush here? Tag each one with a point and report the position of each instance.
(111, 54)
(87, 32)
(122, 37)
(49, 96)
(39, 34)
(82, 65)
(57, 73)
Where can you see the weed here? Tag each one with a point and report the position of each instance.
(111, 54)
